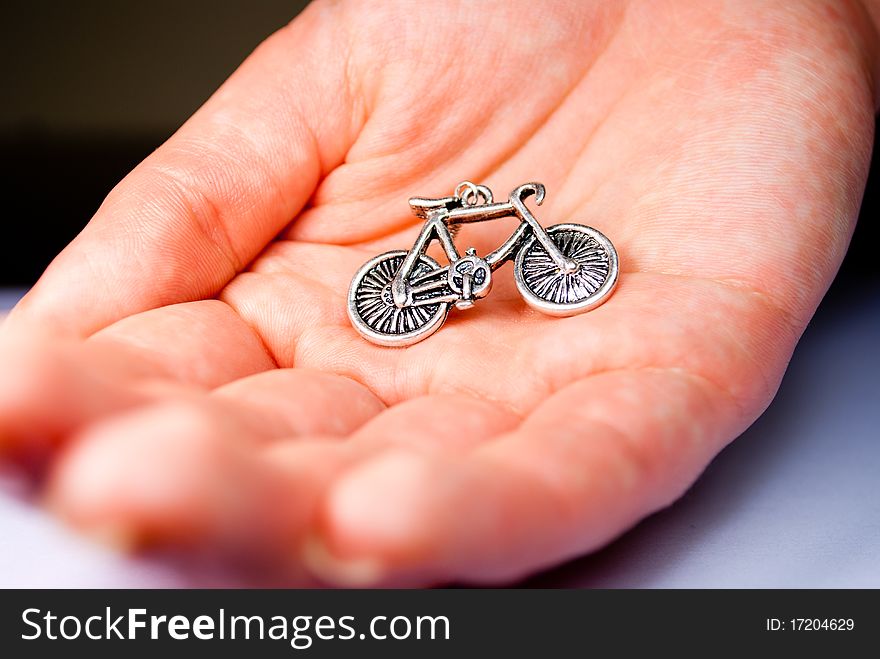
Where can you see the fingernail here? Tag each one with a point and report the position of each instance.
(345, 572)
(118, 537)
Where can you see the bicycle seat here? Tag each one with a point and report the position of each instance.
(423, 206)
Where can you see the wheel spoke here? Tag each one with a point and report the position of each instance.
(542, 277)
(373, 303)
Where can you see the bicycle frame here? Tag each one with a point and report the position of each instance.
(451, 211)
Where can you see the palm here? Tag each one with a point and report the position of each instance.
(507, 440)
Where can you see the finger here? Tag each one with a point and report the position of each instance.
(432, 425)
(201, 343)
(305, 402)
(201, 474)
(50, 387)
(197, 210)
(445, 424)
(174, 475)
(591, 461)
(189, 471)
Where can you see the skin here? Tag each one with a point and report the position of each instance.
(184, 377)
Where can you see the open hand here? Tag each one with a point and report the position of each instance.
(185, 374)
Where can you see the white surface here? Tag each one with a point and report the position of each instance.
(8, 297)
(793, 502)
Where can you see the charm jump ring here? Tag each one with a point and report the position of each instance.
(470, 194)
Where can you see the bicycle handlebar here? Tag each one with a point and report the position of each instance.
(458, 213)
(513, 206)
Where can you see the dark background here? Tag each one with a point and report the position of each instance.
(89, 89)
(92, 87)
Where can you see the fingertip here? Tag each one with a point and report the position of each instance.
(378, 522)
(35, 405)
(181, 475)
(330, 568)
(165, 474)
(51, 388)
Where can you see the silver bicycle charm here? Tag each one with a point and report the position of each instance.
(401, 297)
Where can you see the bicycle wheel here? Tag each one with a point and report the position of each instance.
(371, 307)
(548, 289)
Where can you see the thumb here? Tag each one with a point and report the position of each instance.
(203, 205)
